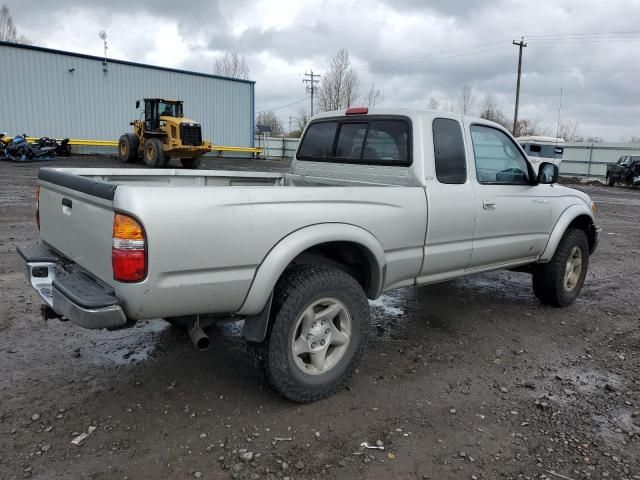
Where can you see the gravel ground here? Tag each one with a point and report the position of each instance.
(467, 379)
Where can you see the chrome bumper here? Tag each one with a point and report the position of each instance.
(95, 311)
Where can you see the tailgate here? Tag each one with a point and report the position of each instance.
(76, 219)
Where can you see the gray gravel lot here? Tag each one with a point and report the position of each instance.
(466, 379)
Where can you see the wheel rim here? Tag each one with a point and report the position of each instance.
(123, 149)
(149, 152)
(321, 336)
(573, 269)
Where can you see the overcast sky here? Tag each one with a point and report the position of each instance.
(411, 49)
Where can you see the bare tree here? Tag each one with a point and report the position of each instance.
(8, 31)
(465, 103)
(528, 127)
(490, 110)
(434, 103)
(300, 121)
(339, 88)
(374, 97)
(231, 65)
(568, 129)
(269, 118)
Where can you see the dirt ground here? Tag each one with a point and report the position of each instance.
(470, 379)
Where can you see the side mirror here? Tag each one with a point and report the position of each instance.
(548, 173)
(137, 103)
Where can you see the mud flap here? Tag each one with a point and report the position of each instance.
(255, 326)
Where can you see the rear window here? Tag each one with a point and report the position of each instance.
(379, 141)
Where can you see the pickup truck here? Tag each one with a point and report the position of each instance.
(626, 170)
(374, 200)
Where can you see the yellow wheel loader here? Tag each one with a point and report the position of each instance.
(162, 135)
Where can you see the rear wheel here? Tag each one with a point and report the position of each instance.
(190, 162)
(559, 282)
(128, 147)
(154, 155)
(610, 181)
(320, 321)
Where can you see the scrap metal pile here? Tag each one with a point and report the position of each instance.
(19, 149)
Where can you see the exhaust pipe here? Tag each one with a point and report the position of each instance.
(200, 339)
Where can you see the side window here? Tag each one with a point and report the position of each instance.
(498, 160)
(350, 140)
(318, 141)
(448, 147)
(387, 141)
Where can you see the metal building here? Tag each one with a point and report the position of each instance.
(60, 94)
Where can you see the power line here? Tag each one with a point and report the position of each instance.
(284, 106)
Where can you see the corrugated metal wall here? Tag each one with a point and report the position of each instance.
(40, 96)
(591, 159)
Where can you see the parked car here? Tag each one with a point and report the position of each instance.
(374, 200)
(626, 170)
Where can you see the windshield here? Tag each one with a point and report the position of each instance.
(170, 109)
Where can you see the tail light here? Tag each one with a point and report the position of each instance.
(129, 249)
(38, 206)
(357, 111)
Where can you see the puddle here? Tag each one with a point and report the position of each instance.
(124, 347)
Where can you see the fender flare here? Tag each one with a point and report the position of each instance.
(276, 261)
(568, 216)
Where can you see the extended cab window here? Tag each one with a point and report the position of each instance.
(448, 149)
(498, 159)
(318, 141)
(368, 141)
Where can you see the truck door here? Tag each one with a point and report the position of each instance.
(513, 216)
(450, 204)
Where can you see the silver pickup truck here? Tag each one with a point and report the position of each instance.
(374, 200)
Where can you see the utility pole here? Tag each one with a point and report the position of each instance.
(311, 85)
(520, 45)
(290, 118)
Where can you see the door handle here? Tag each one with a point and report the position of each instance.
(66, 202)
(489, 204)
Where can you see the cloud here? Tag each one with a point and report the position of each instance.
(411, 49)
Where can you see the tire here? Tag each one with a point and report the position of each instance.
(610, 181)
(154, 155)
(127, 147)
(320, 290)
(550, 282)
(190, 162)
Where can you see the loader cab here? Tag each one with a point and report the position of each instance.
(154, 108)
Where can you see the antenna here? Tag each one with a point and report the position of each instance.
(558, 124)
(103, 35)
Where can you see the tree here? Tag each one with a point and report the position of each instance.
(8, 31)
(339, 88)
(490, 110)
(374, 97)
(300, 121)
(568, 129)
(434, 103)
(528, 127)
(269, 118)
(231, 65)
(465, 103)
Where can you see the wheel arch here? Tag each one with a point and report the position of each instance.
(337, 245)
(576, 216)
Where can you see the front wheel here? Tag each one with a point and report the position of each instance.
(559, 282)
(610, 181)
(320, 321)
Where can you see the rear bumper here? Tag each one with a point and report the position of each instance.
(70, 291)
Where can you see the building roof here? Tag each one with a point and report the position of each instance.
(121, 62)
